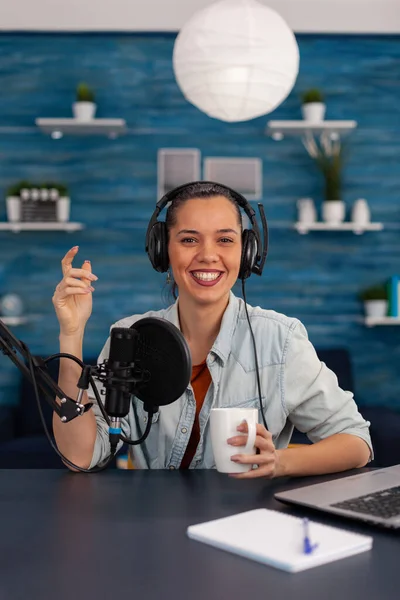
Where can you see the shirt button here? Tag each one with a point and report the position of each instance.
(184, 430)
(171, 468)
(145, 419)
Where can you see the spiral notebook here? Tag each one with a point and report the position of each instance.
(277, 539)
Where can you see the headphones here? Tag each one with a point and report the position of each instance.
(254, 252)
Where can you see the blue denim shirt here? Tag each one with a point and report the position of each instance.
(297, 390)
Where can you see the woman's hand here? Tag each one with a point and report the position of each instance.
(72, 297)
(267, 457)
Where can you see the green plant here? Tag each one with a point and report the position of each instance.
(328, 156)
(84, 93)
(312, 95)
(374, 292)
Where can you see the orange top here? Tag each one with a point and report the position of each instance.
(200, 381)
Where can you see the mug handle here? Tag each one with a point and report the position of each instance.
(252, 433)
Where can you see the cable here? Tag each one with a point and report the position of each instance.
(255, 355)
(64, 459)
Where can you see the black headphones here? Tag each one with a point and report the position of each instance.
(254, 252)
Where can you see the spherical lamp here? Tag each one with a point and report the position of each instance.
(236, 60)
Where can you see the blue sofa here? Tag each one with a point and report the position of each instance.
(24, 445)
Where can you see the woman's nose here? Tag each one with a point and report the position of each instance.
(208, 252)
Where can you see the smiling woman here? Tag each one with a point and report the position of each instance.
(202, 242)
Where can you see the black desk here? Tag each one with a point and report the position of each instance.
(122, 534)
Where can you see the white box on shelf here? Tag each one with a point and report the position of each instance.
(175, 167)
(244, 175)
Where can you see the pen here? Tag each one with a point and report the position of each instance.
(308, 547)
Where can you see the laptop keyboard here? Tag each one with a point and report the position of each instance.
(384, 504)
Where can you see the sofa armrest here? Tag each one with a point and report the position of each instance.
(7, 423)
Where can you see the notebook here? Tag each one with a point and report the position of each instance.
(277, 539)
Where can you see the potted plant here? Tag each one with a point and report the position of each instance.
(375, 298)
(54, 204)
(313, 106)
(328, 156)
(84, 108)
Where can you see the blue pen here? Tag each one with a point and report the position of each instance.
(308, 547)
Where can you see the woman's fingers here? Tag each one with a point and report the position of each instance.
(82, 273)
(66, 263)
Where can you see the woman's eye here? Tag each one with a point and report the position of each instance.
(226, 240)
(188, 240)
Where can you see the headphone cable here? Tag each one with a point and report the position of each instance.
(255, 355)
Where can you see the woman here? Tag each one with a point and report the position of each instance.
(204, 250)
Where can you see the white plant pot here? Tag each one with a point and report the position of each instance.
(376, 308)
(360, 214)
(313, 112)
(306, 211)
(84, 111)
(333, 212)
(13, 209)
(63, 209)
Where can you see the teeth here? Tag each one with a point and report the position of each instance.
(206, 276)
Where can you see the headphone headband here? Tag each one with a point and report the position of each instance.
(239, 199)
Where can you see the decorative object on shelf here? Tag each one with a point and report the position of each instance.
(375, 300)
(360, 213)
(313, 106)
(32, 202)
(84, 109)
(328, 156)
(307, 212)
(11, 305)
(236, 60)
(393, 289)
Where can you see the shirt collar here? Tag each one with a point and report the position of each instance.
(222, 344)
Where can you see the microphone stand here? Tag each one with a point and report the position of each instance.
(69, 408)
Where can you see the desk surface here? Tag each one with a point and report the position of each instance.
(122, 534)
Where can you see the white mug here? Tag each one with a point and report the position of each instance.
(223, 425)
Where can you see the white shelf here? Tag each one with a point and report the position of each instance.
(278, 129)
(373, 321)
(58, 127)
(41, 226)
(304, 228)
(13, 321)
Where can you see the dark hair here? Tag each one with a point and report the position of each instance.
(200, 189)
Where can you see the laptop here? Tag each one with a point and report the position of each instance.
(373, 497)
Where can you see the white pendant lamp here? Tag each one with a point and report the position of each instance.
(236, 60)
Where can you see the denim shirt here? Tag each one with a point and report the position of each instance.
(297, 390)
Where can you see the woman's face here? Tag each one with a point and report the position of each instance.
(204, 247)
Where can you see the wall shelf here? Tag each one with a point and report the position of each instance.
(14, 321)
(374, 321)
(59, 127)
(304, 228)
(41, 226)
(278, 129)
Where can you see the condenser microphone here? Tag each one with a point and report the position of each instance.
(151, 360)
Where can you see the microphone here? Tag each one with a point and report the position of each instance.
(151, 360)
(119, 379)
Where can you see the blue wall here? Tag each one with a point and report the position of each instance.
(113, 186)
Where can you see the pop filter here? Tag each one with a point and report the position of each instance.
(163, 352)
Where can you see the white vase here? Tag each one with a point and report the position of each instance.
(360, 214)
(333, 211)
(313, 112)
(376, 308)
(62, 209)
(306, 211)
(84, 111)
(13, 209)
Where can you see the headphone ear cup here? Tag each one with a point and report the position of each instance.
(158, 247)
(249, 253)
